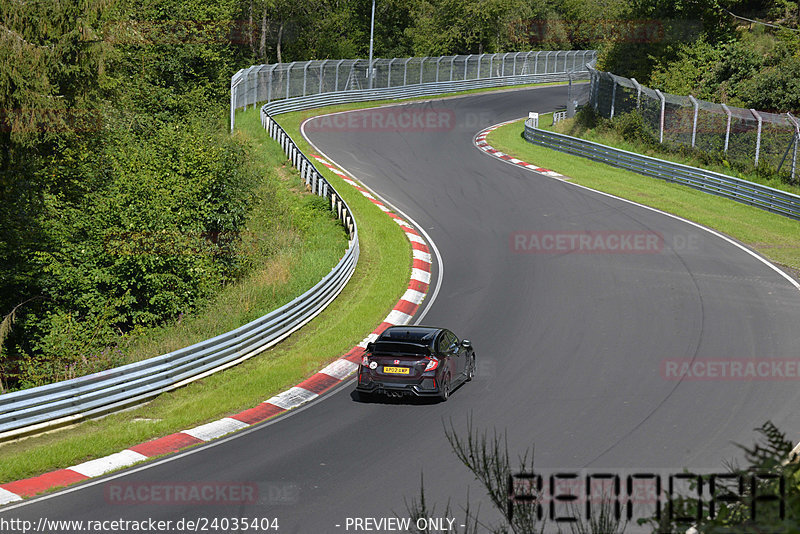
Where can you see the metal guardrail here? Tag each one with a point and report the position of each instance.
(760, 196)
(36, 409)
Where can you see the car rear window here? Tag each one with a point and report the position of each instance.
(389, 347)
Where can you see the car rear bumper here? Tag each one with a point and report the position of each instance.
(424, 388)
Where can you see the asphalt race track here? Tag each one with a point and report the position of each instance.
(573, 346)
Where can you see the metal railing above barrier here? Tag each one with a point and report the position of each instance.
(761, 196)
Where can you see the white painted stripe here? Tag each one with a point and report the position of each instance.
(367, 194)
(423, 256)
(292, 398)
(515, 160)
(401, 222)
(420, 275)
(552, 173)
(7, 497)
(415, 238)
(384, 208)
(216, 429)
(412, 295)
(323, 160)
(397, 317)
(340, 369)
(101, 466)
(351, 182)
(369, 339)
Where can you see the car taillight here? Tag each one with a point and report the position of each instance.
(432, 364)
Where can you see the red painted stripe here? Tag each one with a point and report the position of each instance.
(406, 307)
(318, 383)
(31, 486)
(355, 355)
(420, 246)
(423, 265)
(411, 230)
(393, 216)
(416, 285)
(165, 445)
(262, 412)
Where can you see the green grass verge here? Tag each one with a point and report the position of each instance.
(774, 236)
(674, 153)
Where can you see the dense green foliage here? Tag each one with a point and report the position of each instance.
(123, 201)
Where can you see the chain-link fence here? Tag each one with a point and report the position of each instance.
(264, 83)
(742, 135)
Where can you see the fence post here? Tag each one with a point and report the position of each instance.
(466, 65)
(796, 141)
(480, 57)
(389, 78)
(233, 105)
(536, 62)
(546, 61)
(613, 96)
(503, 67)
(452, 66)
(694, 121)
(305, 76)
(758, 138)
(727, 127)
(289, 77)
(661, 121)
(422, 67)
(336, 82)
(638, 92)
(405, 70)
(321, 74)
(438, 60)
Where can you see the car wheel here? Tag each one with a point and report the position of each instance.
(444, 392)
(471, 370)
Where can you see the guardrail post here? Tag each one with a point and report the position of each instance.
(694, 120)
(638, 92)
(661, 121)
(758, 137)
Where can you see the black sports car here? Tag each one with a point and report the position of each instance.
(416, 360)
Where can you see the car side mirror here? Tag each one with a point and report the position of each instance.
(370, 346)
(466, 343)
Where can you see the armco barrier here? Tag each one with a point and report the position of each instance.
(40, 408)
(761, 196)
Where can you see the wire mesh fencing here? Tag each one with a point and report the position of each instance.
(265, 83)
(744, 136)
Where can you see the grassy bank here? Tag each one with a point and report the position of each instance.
(379, 280)
(774, 236)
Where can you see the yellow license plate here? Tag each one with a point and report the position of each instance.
(396, 370)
